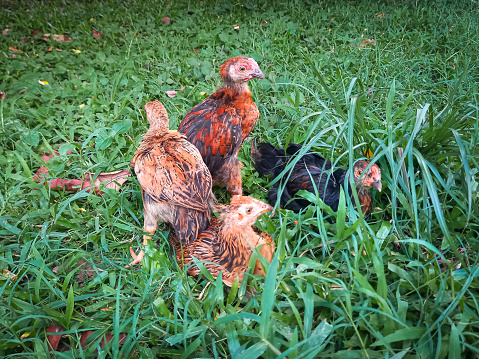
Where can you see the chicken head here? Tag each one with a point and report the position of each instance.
(240, 69)
(372, 178)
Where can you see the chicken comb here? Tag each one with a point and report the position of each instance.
(156, 115)
(224, 67)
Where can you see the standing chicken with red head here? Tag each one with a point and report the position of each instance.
(175, 182)
(218, 125)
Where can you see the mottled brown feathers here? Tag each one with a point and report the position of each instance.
(226, 244)
(218, 125)
(175, 182)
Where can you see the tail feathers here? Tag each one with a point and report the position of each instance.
(268, 159)
(189, 223)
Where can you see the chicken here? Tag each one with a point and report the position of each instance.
(175, 182)
(226, 244)
(218, 125)
(271, 160)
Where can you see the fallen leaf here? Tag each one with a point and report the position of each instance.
(85, 335)
(76, 51)
(165, 20)
(61, 38)
(202, 93)
(24, 335)
(85, 272)
(2, 95)
(35, 32)
(5, 32)
(171, 93)
(111, 180)
(50, 49)
(43, 82)
(236, 27)
(183, 89)
(16, 50)
(46, 35)
(58, 50)
(97, 34)
(82, 105)
(23, 91)
(54, 339)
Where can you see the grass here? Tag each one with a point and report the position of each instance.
(404, 284)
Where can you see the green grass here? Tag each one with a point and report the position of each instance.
(404, 284)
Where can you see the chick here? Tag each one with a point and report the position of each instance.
(175, 182)
(226, 244)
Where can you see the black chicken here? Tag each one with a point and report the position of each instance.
(271, 160)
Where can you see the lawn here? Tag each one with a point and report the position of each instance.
(396, 81)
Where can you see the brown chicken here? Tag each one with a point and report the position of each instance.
(226, 244)
(218, 125)
(313, 172)
(175, 182)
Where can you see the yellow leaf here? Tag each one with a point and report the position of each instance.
(202, 93)
(81, 106)
(25, 335)
(43, 82)
(76, 51)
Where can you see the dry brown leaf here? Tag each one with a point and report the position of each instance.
(50, 49)
(85, 335)
(171, 93)
(2, 95)
(35, 32)
(5, 32)
(61, 38)
(165, 20)
(112, 180)
(16, 50)
(54, 339)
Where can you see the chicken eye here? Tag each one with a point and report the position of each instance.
(242, 68)
(359, 172)
(248, 210)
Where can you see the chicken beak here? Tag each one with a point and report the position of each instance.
(267, 209)
(258, 74)
(378, 185)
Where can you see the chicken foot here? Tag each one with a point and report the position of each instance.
(137, 258)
